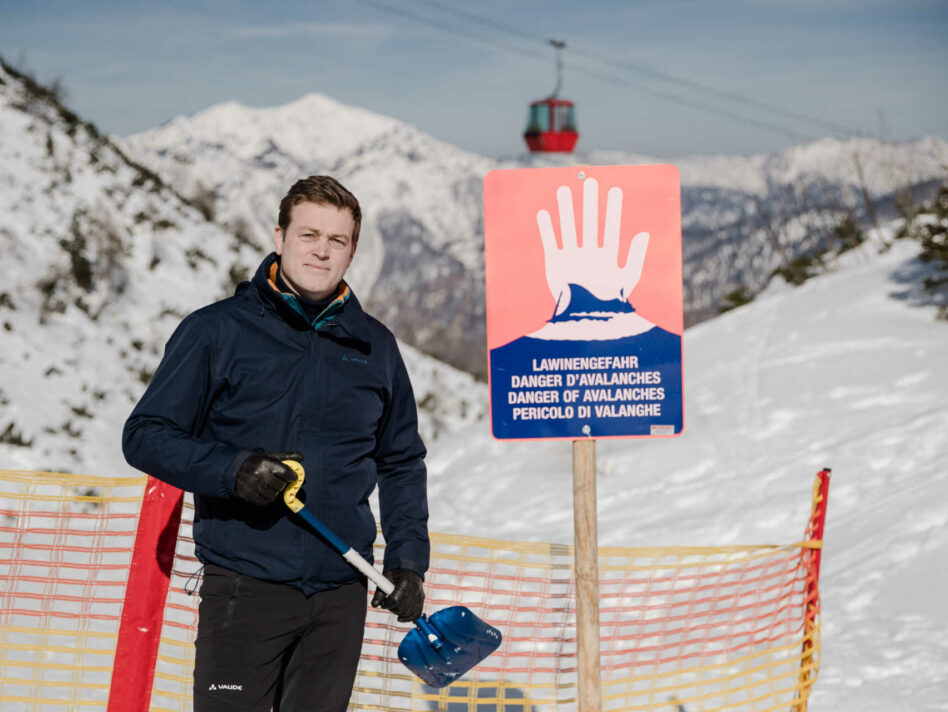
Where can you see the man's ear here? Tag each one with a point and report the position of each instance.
(355, 244)
(278, 236)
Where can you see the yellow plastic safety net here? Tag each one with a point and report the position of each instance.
(65, 546)
(683, 629)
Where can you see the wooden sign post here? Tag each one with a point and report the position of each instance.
(586, 552)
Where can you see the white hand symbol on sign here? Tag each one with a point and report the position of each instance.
(590, 266)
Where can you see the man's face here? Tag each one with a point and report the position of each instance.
(316, 249)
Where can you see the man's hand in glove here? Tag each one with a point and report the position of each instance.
(407, 601)
(262, 476)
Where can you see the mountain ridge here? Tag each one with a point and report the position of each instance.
(743, 217)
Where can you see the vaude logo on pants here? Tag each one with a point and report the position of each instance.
(214, 688)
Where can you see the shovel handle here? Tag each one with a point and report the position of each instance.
(348, 553)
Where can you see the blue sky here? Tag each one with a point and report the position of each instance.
(872, 66)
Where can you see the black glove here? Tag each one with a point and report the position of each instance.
(262, 476)
(407, 601)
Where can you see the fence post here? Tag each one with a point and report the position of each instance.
(143, 611)
(814, 535)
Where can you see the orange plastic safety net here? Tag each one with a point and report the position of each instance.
(65, 546)
(683, 629)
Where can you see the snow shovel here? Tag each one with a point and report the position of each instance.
(439, 649)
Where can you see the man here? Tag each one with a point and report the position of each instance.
(290, 367)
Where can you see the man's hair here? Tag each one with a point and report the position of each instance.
(322, 190)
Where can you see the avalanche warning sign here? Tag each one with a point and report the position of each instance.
(584, 301)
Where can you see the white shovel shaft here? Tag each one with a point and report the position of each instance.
(354, 558)
(348, 553)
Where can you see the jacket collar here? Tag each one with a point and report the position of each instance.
(344, 313)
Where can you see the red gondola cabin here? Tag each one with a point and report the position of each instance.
(551, 126)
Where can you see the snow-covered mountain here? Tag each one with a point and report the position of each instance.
(420, 267)
(102, 260)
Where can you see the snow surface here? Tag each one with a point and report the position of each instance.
(847, 371)
(844, 372)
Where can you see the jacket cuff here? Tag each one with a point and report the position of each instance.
(418, 567)
(226, 489)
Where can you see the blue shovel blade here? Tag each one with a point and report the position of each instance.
(456, 641)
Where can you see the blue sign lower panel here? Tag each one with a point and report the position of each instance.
(575, 389)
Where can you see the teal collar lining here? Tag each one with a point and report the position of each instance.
(326, 314)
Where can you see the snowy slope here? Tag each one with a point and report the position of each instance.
(102, 260)
(842, 372)
(97, 257)
(420, 266)
(846, 371)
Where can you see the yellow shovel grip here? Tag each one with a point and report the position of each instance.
(289, 494)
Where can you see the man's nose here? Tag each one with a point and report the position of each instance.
(320, 248)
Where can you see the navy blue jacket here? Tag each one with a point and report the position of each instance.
(252, 373)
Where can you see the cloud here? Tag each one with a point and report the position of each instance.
(305, 29)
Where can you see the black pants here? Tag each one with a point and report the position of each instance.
(263, 646)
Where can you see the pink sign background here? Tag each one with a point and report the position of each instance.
(518, 297)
